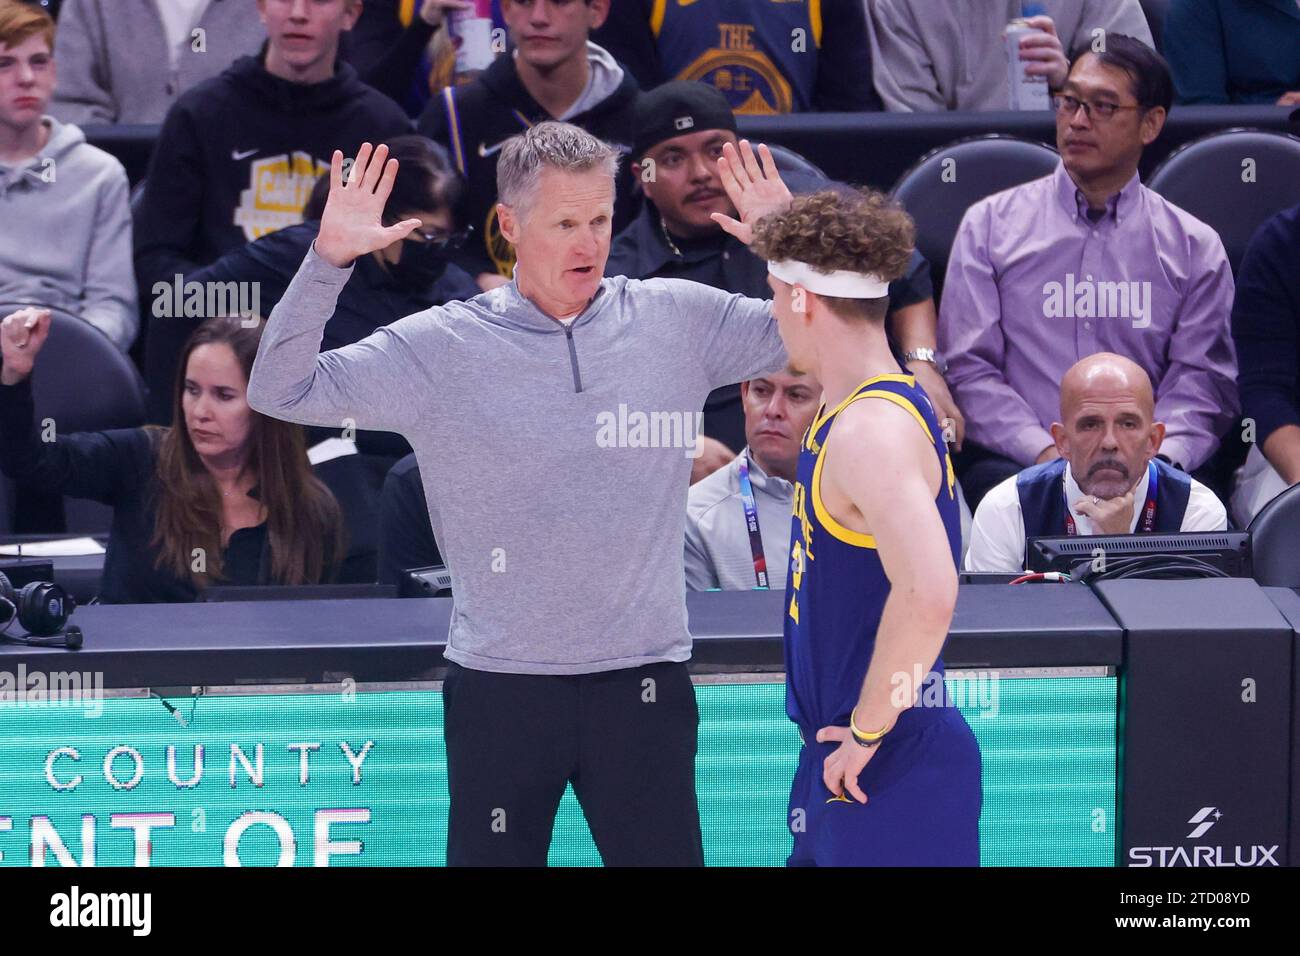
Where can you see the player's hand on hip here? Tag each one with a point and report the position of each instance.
(21, 336)
(755, 191)
(840, 770)
(352, 223)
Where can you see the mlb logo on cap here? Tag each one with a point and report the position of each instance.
(684, 122)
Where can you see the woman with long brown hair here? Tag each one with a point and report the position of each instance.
(223, 496)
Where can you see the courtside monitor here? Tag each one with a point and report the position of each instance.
(1186, 554)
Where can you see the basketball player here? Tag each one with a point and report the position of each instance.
(889, 773)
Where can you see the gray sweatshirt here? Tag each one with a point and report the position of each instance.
(117, 66)
(949, 54)
(66, 236)
(560, 520)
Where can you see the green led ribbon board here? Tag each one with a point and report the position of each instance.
(360, 779)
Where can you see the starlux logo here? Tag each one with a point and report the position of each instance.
(1199, 819)
(1202, 820)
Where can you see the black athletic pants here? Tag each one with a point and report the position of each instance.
(626, 739)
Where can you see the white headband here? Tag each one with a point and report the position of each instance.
(842, 284)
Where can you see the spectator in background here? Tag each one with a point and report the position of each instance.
(681, 128)
(225, 495)
(409, 276)
(238, 155)
(390, 47)
(765, 56)
(721, 550)
(554, 72)
(1106, 480)
(950, 55)
(128, 61)
(66, 236)
(1266, 330)
(1087, 260)
(1234, 51)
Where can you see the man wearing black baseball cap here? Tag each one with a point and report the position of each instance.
(680, 130)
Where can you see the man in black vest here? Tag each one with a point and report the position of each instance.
(1108, 479)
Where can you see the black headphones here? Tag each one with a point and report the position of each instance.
(42, 609)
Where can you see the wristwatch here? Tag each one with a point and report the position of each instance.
(924, 354)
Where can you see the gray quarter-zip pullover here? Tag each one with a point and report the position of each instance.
(555, 460)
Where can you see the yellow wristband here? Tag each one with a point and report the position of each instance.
(862, 734)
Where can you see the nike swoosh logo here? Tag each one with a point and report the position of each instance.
(485, 150)
(237, 155)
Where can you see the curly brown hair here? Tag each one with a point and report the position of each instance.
(860, 230)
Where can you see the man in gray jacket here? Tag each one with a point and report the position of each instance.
(127, 61)
(553, 419)
(738, 518)
(66, 237)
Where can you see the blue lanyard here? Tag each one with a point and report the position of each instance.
(751, 523)
(1148, 523)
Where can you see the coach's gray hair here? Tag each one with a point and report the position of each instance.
(557, 145)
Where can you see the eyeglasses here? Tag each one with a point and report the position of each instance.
(1069, 105)
(436, 237)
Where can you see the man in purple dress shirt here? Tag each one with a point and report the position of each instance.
(1087, 260)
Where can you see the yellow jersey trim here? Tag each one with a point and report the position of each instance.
(657, 17)
(815, 15)
(407, 12)
(901, 402)
(822, 415)
(837, 530)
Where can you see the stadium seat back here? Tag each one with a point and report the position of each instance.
(788, 161)
(81, 382)
(939, 188)
(1232, 180)
(357, 482)
(1275, 541)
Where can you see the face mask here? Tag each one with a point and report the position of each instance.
(421, 265)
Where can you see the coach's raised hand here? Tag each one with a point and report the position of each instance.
(352, 223)
(754, 191)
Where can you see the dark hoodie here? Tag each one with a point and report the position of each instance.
(237, 158)
(479, 117)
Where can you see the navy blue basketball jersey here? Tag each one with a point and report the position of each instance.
(761, 54)
(836, 589)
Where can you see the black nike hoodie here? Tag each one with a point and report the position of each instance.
(477, 118)
(236, 159)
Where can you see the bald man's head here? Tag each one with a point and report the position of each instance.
(1106, 374)
(1107, 430)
